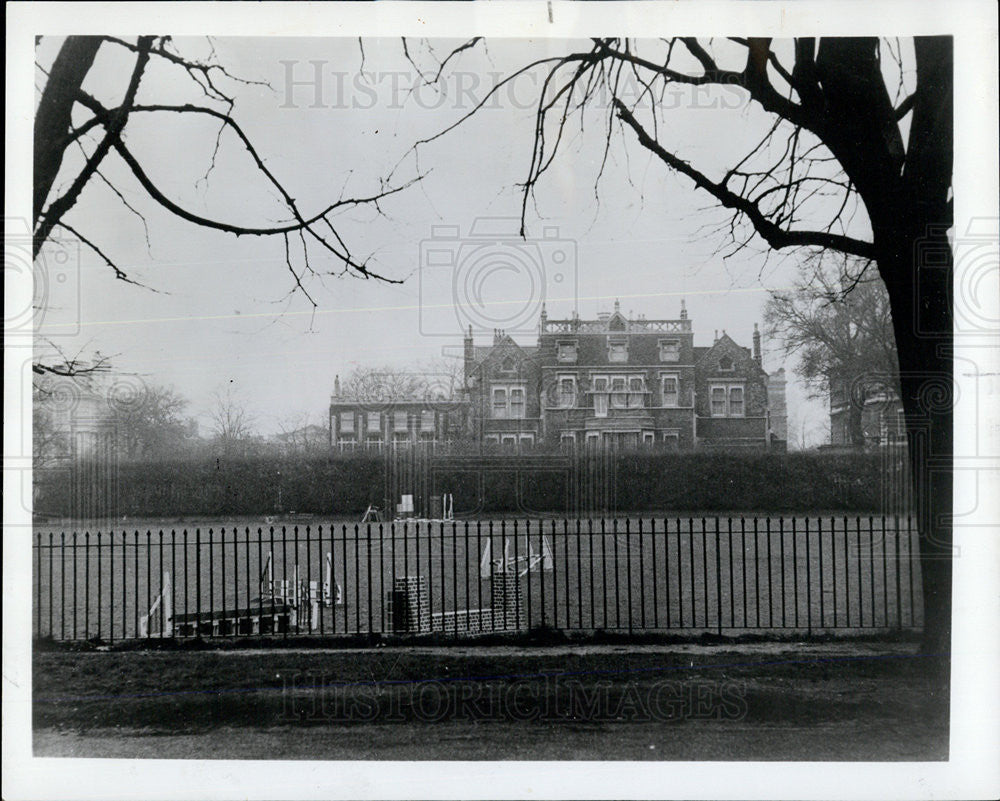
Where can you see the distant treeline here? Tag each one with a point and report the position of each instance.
(345, 485)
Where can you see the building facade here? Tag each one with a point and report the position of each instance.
(866, 418)
(614, 382)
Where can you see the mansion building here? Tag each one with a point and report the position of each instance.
(614, 382)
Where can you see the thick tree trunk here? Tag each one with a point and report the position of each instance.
(907, 198)
(916, 262)
(54, 116)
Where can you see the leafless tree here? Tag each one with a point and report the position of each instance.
(152, 424)
(232, 423)
(103, 135)
(847, 133)
(431, 381)
(836, 320)
(299, 436)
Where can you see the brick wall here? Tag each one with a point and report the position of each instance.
(409, 608)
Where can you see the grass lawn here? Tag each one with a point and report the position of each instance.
(779, 701)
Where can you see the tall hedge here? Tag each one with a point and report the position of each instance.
(345, 485)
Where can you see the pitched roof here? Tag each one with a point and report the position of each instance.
(480, 353)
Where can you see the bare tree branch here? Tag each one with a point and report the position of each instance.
(773, 234)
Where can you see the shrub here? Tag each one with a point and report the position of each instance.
(346, 485)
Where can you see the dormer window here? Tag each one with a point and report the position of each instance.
(566, 351)
(618, 350)
(670, 350)
(725, 364)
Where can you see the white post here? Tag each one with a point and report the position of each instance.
(328, 598)
(314, 612)
(168, 606)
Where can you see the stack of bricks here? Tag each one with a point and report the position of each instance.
(506, 600)
(409, 606)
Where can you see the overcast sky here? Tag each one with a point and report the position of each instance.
(222, 312)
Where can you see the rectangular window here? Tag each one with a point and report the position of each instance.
(567, 441)
(736, 401)
(567, 392)
(347, 422)
(508, 442)
(618, 350)
(517, 403)
(566, 352)
(728, 400)
(399, 421)
(670, 350)
(527, 440)
(671, 440)
(619, 397)
(499, 402)
(600, 385)
(374, 423)
(718, 401)
(637, 392)
(648, 438)
(671, 390)
(427, 420)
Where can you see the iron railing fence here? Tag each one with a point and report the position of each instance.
(692, 574)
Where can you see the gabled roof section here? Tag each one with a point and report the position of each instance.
(726, 346)
(505, 347)
(617, 322)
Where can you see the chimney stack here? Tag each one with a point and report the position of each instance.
(336, 385)
(469, 354)
(684, 311)
(756, 346)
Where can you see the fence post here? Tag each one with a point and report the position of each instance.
(808, 582)
(62, 585)
(99, 588)
(718, 580)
